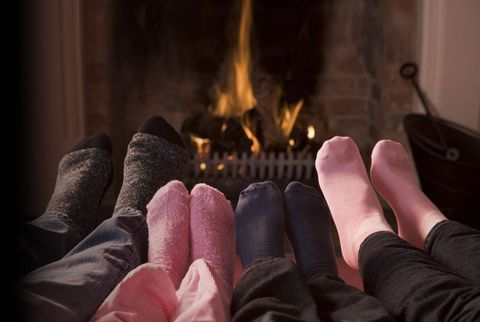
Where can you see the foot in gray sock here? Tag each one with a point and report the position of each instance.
(259, 222)
(307, 220)
(155, 156)
(83, 177)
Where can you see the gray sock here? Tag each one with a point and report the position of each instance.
(151, 162)
(82, 179)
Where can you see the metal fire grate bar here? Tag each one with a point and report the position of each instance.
(284, 165)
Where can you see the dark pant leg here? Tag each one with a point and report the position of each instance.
(72, 288)
(272, 290)
(412, 285)
(42, 241)
(337, 301)
(457, 247)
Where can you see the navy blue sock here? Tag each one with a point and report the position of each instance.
(308, 229)
(259, 222)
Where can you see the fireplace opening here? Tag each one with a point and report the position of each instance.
(253, 86)
(238, 137)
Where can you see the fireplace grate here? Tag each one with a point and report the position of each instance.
(266, 165)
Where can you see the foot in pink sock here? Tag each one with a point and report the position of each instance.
(211, 222)
(168, 220)
(355, 208)
(393, 176)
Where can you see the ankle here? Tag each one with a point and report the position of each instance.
(362, 229)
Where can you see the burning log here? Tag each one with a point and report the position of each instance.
(225, 134)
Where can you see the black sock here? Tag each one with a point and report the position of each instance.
(98, 140)
(156, 125)
(155, 156)
(308, 229)
(259, 222)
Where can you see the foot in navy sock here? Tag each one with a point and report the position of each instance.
(308, 229)
(259, 222)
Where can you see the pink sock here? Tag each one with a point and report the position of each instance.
(211, 223)
(168, 220)
(393, 176)
(355, 208)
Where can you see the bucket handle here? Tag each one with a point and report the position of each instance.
(409, 71)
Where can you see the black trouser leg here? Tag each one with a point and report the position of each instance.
(337, 301)
(412, 285)
(272, 290)
(457, 247)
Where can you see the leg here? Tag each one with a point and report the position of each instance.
(83, 177)
(271, 287)
(308, 228)
(419, 221)
(206, 291)
(355, 208)
(393, 175)
(457, 247)
(92, 269)
(412, 285)
(148, 291)
(72, 288)
(155, 156)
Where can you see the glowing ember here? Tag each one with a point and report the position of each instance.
(220, 166)
(203, 166)
(291, 142)
(202, 145)
(310, 132)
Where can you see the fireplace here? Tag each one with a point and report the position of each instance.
(254, 86)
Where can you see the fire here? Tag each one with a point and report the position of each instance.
(234, 96)
(286, 117)
(202, 145)
(247, 126)
(237, 97)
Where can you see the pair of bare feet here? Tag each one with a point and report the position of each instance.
(352, 200)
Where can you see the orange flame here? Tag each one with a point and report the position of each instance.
(286, 117)
(247, 125)
(237, 97)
